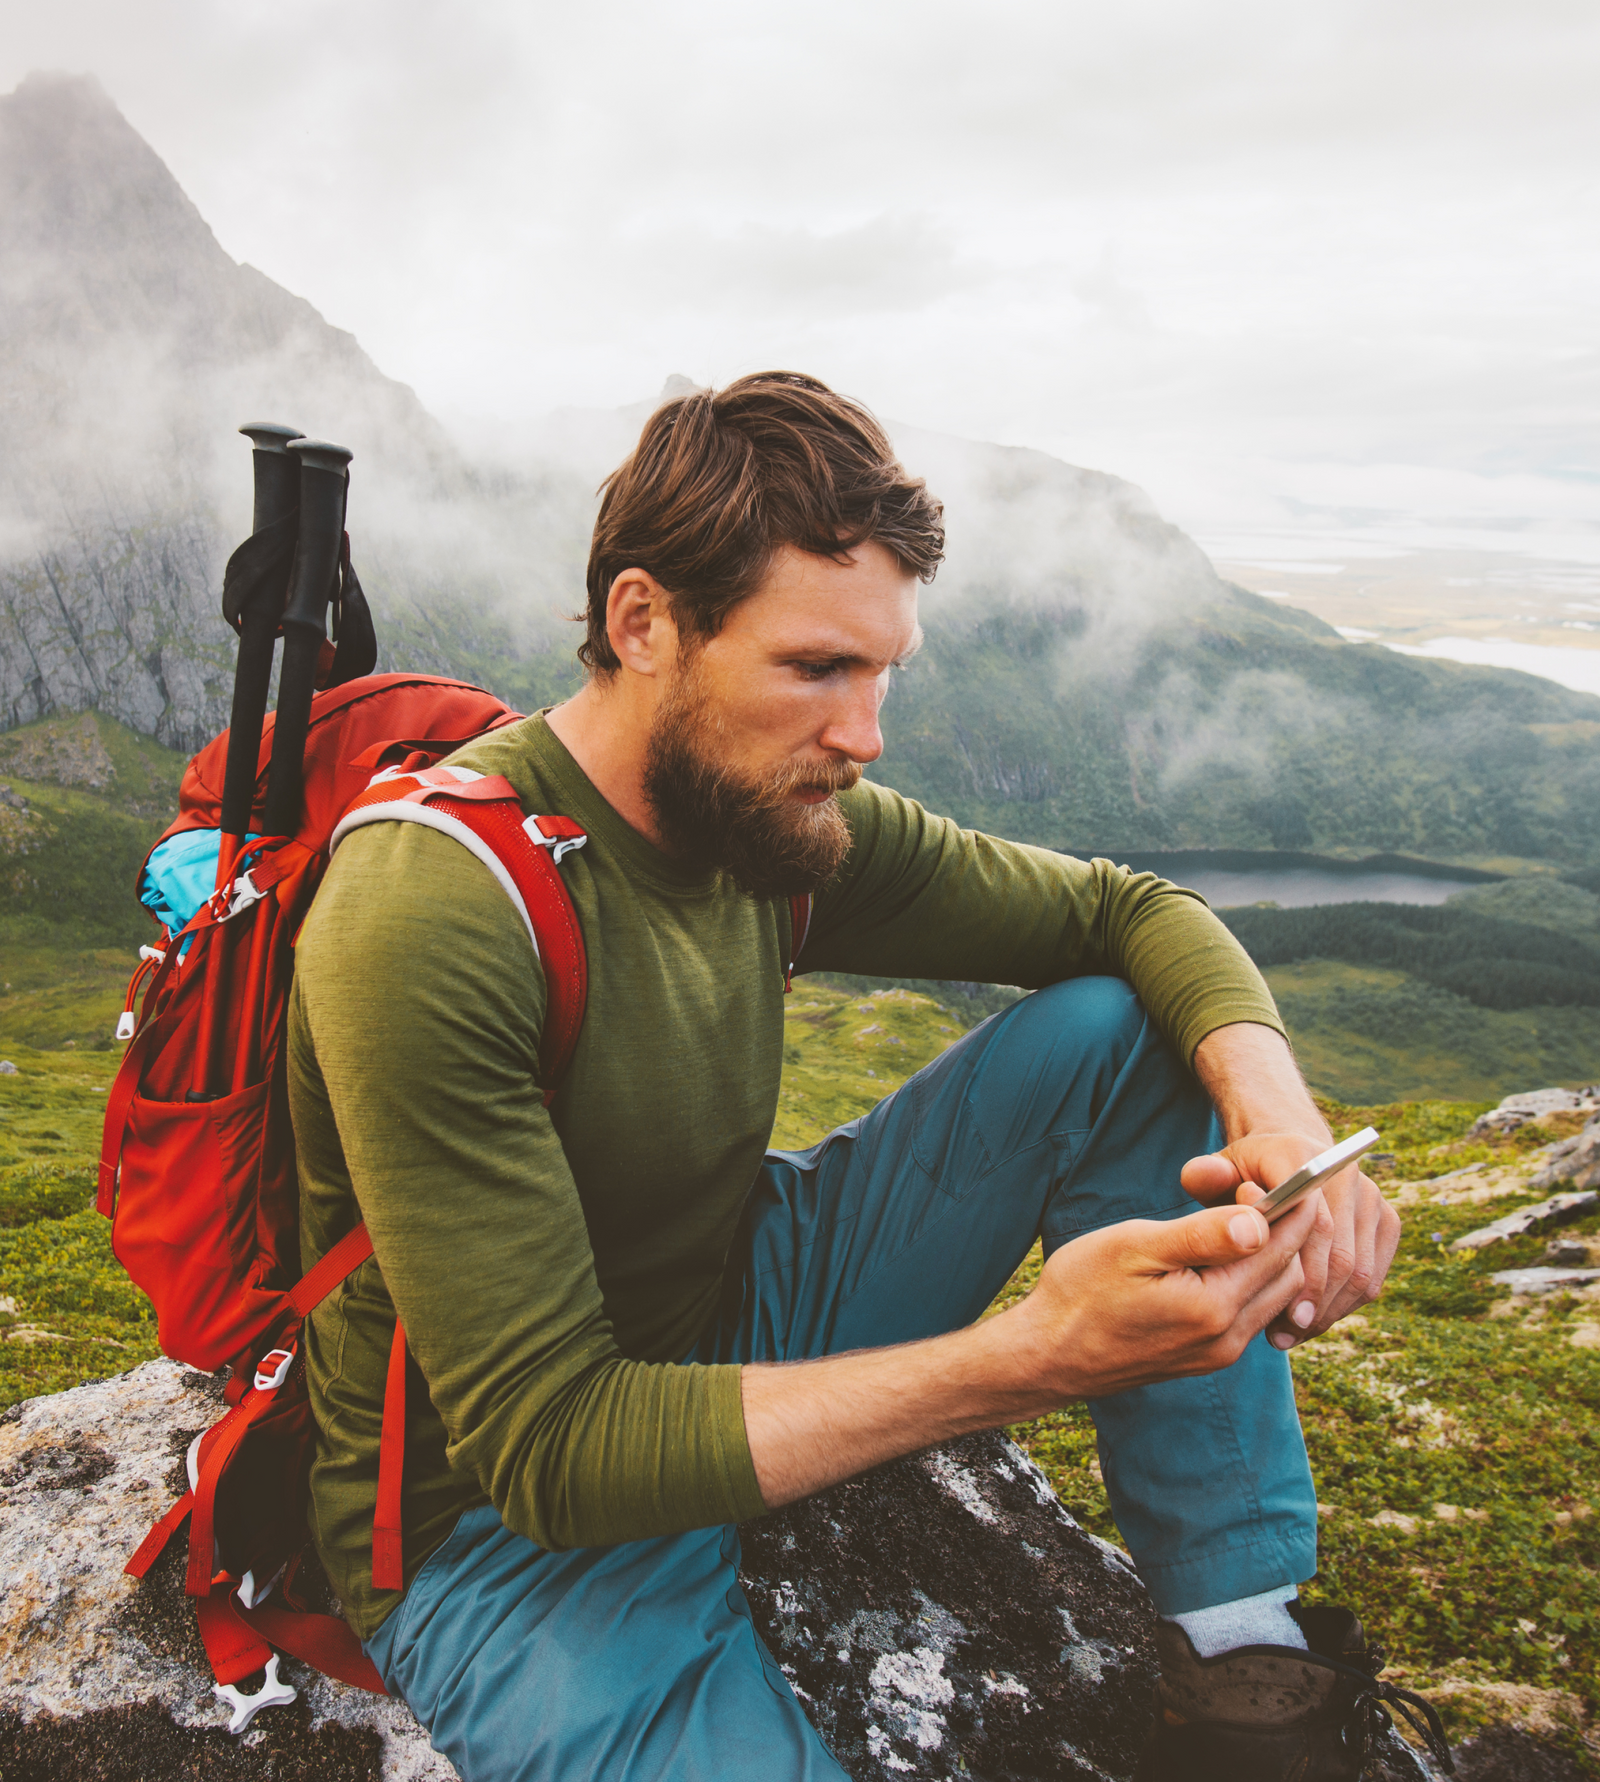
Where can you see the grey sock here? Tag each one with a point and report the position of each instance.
(1250, 1621)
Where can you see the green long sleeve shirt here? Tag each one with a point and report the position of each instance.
(552, 1265)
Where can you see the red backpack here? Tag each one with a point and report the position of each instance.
(197, 1168)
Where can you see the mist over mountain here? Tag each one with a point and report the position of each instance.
(131, 347)
(1088, 680)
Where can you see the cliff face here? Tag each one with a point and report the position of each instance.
(131, 343)
(131, 347)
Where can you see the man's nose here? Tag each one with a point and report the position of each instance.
(852, 728)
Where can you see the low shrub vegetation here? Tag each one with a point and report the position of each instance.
(1454, 1434)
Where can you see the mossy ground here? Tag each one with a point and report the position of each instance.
(67, 1311)
(1455, 1440)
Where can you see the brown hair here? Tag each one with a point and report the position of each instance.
(721, 479)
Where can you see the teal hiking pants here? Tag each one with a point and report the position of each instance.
(639, 1662)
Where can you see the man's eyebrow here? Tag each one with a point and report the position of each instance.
(910, 650)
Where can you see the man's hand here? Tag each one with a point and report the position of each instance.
(1352, 1241)
(1151, 1300)
(1273, 1127)
(1137, 1302)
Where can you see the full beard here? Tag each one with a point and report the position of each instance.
(748, 826)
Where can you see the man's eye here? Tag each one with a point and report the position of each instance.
(817, 671)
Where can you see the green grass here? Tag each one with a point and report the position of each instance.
(1367, 1034)
(63, 995)
(1440, 1394)
(843, 1053)
(97, 797)
(1429, 1398)
(67, 1311)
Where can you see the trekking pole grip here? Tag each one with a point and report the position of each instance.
(277, 500)
(324, 483)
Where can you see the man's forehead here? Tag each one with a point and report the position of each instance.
(864, 604)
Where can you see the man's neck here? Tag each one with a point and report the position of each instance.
(605, 727)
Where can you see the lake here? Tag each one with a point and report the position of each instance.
(1229, 877)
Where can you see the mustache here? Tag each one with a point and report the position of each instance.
(811, 776)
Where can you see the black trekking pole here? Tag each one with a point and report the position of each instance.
(319, 546)
(254, 589)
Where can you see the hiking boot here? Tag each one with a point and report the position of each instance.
(1275, 1714)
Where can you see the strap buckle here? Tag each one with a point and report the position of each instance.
(273, 1369)
(233, 900)
(559, 834)
(271, 1694)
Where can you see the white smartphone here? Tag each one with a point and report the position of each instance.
(1316, 1172)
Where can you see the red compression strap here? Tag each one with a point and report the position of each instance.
(234, 1649)
(154, 1544)
(388, 1562)
(440, 781)
(319, 1281)
(322, 1641)
(220, 1445)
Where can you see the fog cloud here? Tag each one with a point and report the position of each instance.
(1217, 249)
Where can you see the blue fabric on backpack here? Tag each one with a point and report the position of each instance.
(180, 875)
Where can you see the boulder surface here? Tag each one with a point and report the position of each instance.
(942, 1617)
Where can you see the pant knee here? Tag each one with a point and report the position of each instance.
(1099, 1014)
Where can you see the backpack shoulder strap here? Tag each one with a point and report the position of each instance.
(484, 814)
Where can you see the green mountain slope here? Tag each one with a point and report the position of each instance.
(81, 801)
(1240, 723)
(1500, 985)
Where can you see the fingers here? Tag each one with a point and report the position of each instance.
(1299, 1318)
(1237, 1250)
(1206, 1240)
(1271, 1300)
(1365, 1233)
(1376, 1237)
(1211, 1177)
(1350, 1286)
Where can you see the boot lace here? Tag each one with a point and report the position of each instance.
(1370, 1717)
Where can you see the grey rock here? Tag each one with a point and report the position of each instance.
(90, 1659)
(7, 1068)
(1544, 1280)
(945, 1616)
(1575, 1160)
(1505, 1754)
(943, 1612)
(1520, 1110)
(1559, 1209)
(942, 1617)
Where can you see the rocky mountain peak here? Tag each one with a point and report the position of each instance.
(126, 329)
(93, 226)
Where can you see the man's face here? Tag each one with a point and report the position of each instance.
(759, 726)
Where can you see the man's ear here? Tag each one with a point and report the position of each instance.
(639, 622)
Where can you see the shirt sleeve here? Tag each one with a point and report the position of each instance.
(920, 897)
(414, 1075)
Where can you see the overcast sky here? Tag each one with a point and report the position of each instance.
(1262, 256)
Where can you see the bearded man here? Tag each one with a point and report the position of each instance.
(632, 1326)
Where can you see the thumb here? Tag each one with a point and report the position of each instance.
(1208, 1239)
